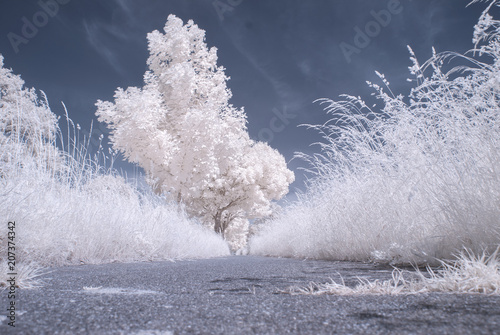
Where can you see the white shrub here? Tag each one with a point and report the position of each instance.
(414, 181)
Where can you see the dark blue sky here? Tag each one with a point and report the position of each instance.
(281, 55)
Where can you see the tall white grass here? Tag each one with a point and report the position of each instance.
(69, 205)
(415, 180)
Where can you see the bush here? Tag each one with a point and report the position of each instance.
(414, 181)
(68, 207)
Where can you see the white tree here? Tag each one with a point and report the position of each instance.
(191, 142)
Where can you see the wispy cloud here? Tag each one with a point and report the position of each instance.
(105, 36)
(94, 33)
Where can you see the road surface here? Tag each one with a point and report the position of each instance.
(234, 295)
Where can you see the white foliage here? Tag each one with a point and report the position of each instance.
(416, 181)
(103, 220)
(68, 208)
(27, 126)
(191, 142)
(22, 114)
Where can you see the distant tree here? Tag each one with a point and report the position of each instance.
(28, 128)
(191, 142)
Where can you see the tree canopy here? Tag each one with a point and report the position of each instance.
(191, 142)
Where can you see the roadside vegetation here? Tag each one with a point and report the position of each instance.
(69, 205)
(412, 180)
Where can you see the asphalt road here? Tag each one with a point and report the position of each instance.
(234, 295)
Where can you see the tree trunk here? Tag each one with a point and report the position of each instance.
(219, 227)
